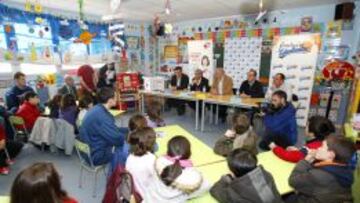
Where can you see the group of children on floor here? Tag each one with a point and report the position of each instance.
(324, 170)
(323, 173)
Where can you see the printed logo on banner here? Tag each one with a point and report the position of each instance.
(293, 48)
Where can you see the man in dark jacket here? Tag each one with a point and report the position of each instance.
(12, 96)
(99, 131)
(280, 122)
(69, 87)
(326, 174)
(200, 84)
(247, 183)
(179, 81)
(251, 87)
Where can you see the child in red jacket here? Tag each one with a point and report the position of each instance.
(29, 110)
(317, 130)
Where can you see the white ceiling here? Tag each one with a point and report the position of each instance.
(144, 10)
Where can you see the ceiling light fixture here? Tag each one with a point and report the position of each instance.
(167, 7)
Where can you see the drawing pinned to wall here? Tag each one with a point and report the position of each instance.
(183, 50)
(132, 42)
(334, 29)
(171, 54)
(306, 24)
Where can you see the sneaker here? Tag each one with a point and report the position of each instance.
(10, 162)
(4, 170)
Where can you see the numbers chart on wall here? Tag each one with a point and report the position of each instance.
(241, 55)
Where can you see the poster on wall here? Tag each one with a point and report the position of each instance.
(241, 55)
(183, 50)
(200, 56)
(295, 56)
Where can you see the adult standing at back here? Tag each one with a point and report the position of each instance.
(107, 76)
(222, 85)
(12, 96)
(279, 84)
(88, 80)
(69, 87)
(251, 87)
(99, 131)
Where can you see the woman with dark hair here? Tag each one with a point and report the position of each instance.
(177, 179)
(107, 76)
(54, 106)
(68, 109)
(39, 183)
(205, 61)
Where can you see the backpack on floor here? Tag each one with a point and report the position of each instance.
(120, 188)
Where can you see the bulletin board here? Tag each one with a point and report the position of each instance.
(241, 55)
(295, 56)
(201, 56)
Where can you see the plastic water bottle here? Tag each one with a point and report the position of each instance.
(237, 92)
(204, 89)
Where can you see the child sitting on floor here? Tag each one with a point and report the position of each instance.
(68, 110)
(85, 104)
(177, 179)
(136, 122)
(29, 110)
(247, 182)
(39, 183)
(325, 175)
(140, 163)
(240, 136)
(54, 106)
(153, 117)
(8, 151)
(317, 130)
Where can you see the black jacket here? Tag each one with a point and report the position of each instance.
(184, 83)
(203, 84)
(65, 90)
(321, 184)
(255, 91)
(257, 186)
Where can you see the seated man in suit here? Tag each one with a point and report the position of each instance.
(251, 88)
(179, 81)
(69, 87)
(201, 84)
(222, 85)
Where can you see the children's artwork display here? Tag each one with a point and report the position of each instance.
(201, 57)
(241, 55)
(295, 56)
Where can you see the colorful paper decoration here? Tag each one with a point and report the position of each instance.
(8, 28)
(41, 33)
(85, 38)
(33, 54)
(338, 70)
(28, 6)
(39, 20)
(31, 30)
(38, 7)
